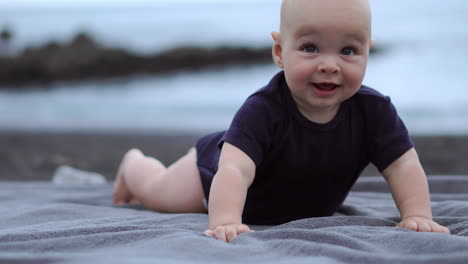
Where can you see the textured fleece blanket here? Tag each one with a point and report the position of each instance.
(41, 222)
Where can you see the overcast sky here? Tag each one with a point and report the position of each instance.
(100, 2)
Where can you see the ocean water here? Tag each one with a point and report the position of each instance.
(423, 66)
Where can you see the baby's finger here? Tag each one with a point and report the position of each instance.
(231, 233)
(412, 225)
(209, 232)
(220, 233)
(440, 228)
(423, 226)
(243, 229)
(445, 230)
(435, 227)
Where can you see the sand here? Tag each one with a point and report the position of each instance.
(36, 155)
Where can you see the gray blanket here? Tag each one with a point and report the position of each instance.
(45, 223)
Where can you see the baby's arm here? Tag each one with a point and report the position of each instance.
(409, 187)
(236, 172)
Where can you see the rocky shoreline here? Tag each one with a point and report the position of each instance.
(28, 156)
(83, 58)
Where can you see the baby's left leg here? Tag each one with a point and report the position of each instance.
(176, 189)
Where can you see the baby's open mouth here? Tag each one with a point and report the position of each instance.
(325, 86)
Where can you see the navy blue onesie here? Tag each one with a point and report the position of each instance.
(305, 169)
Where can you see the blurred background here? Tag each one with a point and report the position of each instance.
(170, 66)
(421, 63)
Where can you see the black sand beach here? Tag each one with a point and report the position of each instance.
(26, 156)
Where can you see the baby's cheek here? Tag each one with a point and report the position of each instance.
(354, 76)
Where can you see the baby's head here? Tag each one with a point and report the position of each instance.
(323, 46)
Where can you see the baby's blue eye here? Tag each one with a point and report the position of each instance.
(348, 51)
(310, 48)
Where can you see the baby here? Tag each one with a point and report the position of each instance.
(296, 146)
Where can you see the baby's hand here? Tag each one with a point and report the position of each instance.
(422, 224)
(227, 233)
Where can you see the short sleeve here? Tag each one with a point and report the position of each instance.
(389, 137)
(252, 129)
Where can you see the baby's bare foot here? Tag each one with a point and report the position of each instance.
(122, 194)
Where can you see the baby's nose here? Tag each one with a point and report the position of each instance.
(329, 65)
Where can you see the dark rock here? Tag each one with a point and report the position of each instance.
(6, 34)
(83, 58)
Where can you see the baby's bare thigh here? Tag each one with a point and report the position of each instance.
(183, 180)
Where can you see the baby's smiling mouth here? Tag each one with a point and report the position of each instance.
(326, 86)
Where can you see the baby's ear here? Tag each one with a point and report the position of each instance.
(277, 49)
(372, 42)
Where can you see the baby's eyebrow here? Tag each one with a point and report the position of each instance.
(352, 39)
(359, 37)
(306, 30)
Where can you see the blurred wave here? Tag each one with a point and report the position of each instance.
(423, 68)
